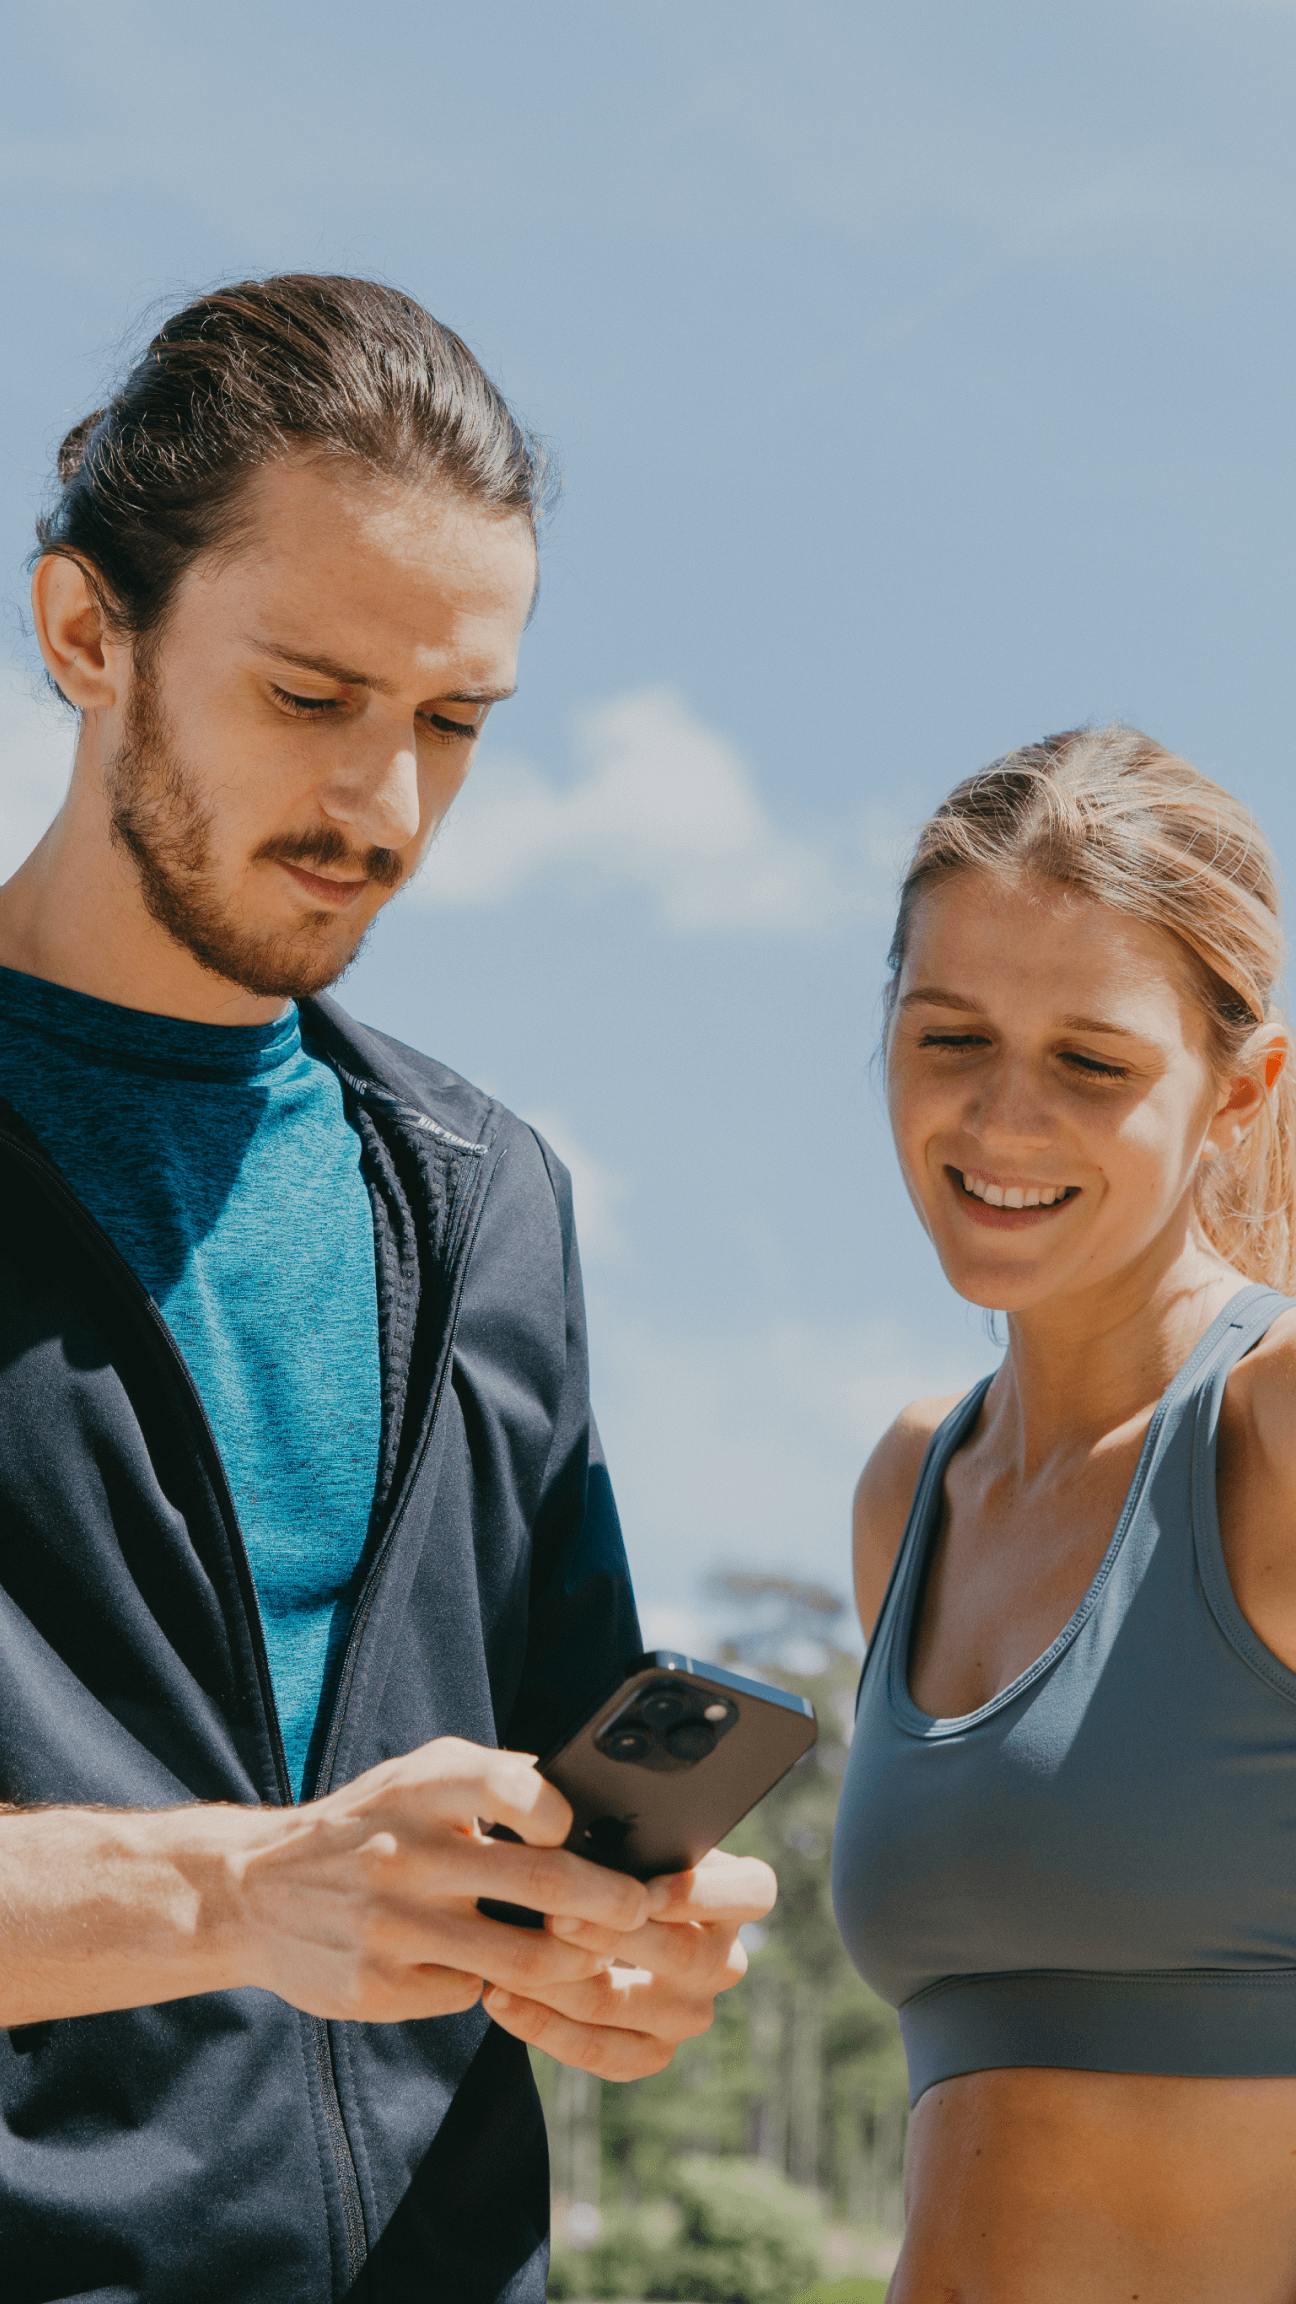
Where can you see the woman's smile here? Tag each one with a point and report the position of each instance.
(1007, 1204)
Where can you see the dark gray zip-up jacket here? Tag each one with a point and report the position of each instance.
(228, 2149)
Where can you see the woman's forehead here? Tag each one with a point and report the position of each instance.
(985, 937)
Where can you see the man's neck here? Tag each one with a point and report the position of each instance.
(73, 914)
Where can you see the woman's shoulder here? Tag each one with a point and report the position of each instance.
(1255, 1486)
(883, 1495)
(1260, 1405)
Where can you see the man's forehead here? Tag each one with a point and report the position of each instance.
(321, 552)
(379, 612)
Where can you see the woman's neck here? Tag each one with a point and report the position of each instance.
(1079, 1371)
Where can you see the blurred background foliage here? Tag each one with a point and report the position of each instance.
(764, 2165)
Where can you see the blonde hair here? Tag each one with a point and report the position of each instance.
(1110, 812)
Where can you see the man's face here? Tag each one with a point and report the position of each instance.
(296, 735)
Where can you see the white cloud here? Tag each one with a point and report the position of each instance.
(666, 805)
(36, 743)
(598, 1192)
(743, 1448)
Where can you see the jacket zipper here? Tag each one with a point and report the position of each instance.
(109, 1254)
(368, 1591)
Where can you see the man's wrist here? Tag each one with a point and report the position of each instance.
(205, 1852)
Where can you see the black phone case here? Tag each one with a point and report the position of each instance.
(662, 1817)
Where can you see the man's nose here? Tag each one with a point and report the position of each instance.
(376, 798)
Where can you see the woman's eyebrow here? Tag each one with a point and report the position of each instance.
(936, 996)
(1101, 1024)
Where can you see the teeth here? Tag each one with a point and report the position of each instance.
(1013, 1195)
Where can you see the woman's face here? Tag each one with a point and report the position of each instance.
(1049, 1088)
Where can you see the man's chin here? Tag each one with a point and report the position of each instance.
(285, 966)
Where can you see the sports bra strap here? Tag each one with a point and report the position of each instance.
(941, 1446)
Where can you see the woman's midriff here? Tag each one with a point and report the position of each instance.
(1100, 2188)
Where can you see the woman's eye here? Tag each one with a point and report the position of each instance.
(1090, 1067)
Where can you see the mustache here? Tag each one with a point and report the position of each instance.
(327, 848)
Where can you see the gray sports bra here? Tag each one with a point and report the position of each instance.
(1098, 1867)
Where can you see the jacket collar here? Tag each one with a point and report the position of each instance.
(438, 1101)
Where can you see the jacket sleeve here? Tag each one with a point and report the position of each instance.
(583, 1627)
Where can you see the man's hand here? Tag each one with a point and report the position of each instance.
(628, 2019)
(363, 1905)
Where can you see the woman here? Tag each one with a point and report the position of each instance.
(1066, 1848)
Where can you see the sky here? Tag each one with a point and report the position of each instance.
(921, 383)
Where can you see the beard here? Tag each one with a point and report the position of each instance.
(159, 816)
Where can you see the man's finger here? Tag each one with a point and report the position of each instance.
(546, 1880)
(720, 1887)
(521, 1959)
(629, 2000)
(706, 1957)
(464, 1784)
(607, 2051)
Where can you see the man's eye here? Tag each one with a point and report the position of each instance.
(448, 730)
(452, 729)
(302, 704)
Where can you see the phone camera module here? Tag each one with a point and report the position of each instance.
(667, 1726)
(691, 1740)
(663, 1707)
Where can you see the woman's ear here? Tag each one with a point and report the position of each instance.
(82, 654)
(1246, 1093)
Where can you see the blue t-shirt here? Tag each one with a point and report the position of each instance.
(220, 1161)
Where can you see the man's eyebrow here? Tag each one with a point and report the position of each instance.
(936, 996)
(348, 676)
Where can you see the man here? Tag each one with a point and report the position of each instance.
(308, 1545)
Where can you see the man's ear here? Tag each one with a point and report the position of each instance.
(82, 654)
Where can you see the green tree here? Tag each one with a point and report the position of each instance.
(802, 2071)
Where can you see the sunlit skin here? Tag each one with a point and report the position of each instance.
(1079, 2187)
(306, 720)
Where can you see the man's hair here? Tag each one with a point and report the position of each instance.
(298, 364)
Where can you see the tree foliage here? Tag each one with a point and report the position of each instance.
(801, 2078)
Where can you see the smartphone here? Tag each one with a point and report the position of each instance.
(667, 1765)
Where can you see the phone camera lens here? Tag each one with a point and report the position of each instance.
(690, 1740)
(626, 1743)
(663, 1707)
